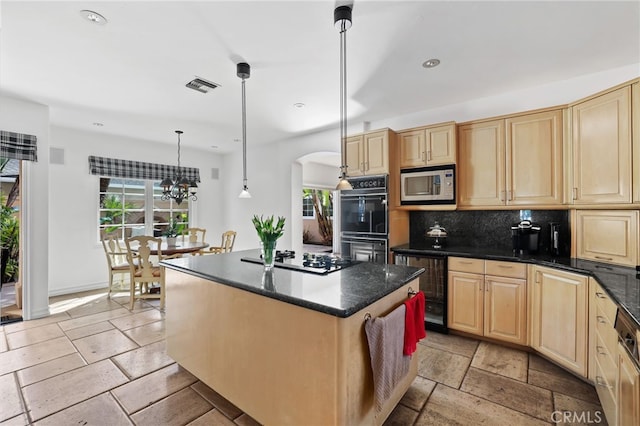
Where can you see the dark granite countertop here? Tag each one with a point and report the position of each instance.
(341, 293)
(621, 283)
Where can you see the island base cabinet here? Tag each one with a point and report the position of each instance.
(628, 389)
(559, 314)
(280, 363)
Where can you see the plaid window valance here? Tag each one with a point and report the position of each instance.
(128, 169)
(18, 146)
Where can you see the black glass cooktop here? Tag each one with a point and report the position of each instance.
(315, 263)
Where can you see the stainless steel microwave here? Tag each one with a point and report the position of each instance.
(428, 185)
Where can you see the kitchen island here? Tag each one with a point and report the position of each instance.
(286, 347)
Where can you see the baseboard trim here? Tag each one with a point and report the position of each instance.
(78, 289)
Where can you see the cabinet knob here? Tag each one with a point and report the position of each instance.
(601, 319)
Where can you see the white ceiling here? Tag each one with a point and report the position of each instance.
(130, 74)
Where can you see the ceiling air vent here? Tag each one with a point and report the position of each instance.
(201, 85)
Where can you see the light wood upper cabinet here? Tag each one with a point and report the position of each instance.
(429, 146)
(601, 133)
(609, 236)
(515, 161)
(559, 325)
(368, 153)
(635, 131)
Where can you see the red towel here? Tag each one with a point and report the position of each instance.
(414, 323)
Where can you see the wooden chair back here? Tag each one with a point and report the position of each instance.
(194, 235)
(143, 269)
(113, 249)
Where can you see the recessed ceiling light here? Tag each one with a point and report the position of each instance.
(93, 17)
(214, 146)
(430, 63)
(299, 105)
(98, 124)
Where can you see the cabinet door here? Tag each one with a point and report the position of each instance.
(440, 144)
(376, 153)
(355, 155)
(558, 305)
(534, 159)
(628, 390)
(635, 132)
(602, 149)
(505, 309)
(481, 174)
(412, 148)
(465, 301)
(608, 236)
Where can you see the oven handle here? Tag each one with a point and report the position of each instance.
(348, 238)
(377, 194)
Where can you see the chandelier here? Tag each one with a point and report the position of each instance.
(342, 21)
(178, 188)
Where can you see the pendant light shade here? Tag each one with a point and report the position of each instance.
(243, 70)
(342, 21)
(178, 188)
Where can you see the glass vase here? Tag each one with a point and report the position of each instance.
(268, 248)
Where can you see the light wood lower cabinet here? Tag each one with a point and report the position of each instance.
(488, 305)
(558, 306)
(609, 236)
(628, 390)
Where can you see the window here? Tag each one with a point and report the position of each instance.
(322, 197)
(133, 207)
(307, 207)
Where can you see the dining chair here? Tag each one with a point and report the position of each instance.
(143, 271)
(194, 235)
(117, 263)
(228, 238)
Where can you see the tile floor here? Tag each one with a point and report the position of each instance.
(94, 362)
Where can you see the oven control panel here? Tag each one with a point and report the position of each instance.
(369, 182)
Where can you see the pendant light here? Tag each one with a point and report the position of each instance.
(342, 21)
(178, 188)
(243, 70)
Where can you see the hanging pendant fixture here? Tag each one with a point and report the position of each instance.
(243, 70)
(178, 188)
(342, 21)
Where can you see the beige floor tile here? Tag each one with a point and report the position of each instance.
(587, 413)
(104, 345)
(50, 368)
(144, 360)
(25, 325)
(501, 360)
(95, 306)
(99, 410)
(528, 399)
(71, 387)
(218, 401)
(33, 335)
(28, 356)
(176, 410)
(148, 333)
(401, 416)
(447, 406)
(20, 420)
(452, 343)
(138, 319)
(92, 319)
(212, 418)
(10, 402)
(246, 420)
(88, 330)
(153, 387)
(538, 363)
(4, 346)
(565, 384)
(442, 366)
(418, 393)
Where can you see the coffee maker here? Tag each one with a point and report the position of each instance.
(525, 237)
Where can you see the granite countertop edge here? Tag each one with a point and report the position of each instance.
(597, 270)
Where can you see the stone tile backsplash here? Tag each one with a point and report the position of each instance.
(489, 228)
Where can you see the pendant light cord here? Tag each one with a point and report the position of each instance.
(343, 93)
(244, 137)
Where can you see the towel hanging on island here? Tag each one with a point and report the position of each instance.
(414, 329)
(385, 336)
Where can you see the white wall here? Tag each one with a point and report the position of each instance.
(31, 118)
(315, 175)
(76, 258)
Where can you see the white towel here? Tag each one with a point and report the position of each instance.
(386, 341)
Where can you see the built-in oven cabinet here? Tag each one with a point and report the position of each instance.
(609, 236)
(558, 311)
(427, 146)
(488, 298)
(368, 153)
(512, 161)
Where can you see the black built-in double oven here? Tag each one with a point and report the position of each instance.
(363, 219)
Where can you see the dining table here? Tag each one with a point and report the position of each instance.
(181, 247)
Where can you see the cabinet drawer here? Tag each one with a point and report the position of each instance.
(606, 390)
(463, 264)
(606, 305)
(505, 269)
(605, 332)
